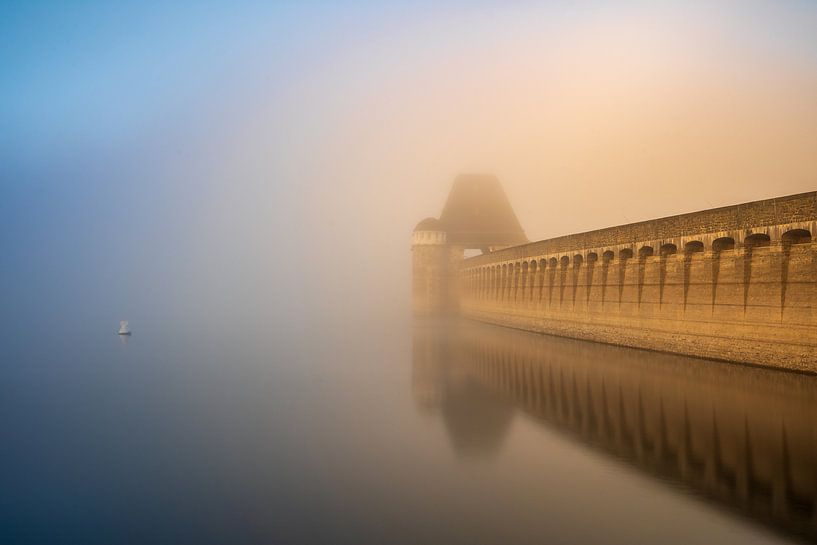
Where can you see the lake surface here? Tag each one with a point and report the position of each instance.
(396, 431)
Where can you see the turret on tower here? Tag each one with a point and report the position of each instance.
(430, 266)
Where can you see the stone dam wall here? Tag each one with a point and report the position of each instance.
(737, 283)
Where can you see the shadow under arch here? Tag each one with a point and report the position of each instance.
(750, 243)
(788, 239)
(643, 253)
(719, 245)
(624, 255)
(690, 248)
(664, 252)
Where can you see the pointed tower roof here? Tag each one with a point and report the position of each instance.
(478, 214)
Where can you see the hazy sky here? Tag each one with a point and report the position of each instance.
(248, 159)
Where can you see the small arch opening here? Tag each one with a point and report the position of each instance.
(564, 260)
(723, 243)
(693, 246)
(796, 236)
(608, 255)
(645, 251)
(553, 262)
(592, 257)
(668, 249)
(626, 253)
(578, 259)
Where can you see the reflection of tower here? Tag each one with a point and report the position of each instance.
(431, 267)
(429, 350)
(475, 418)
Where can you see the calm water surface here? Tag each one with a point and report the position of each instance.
(396, 432)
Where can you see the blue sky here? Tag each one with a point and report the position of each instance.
(87, 72)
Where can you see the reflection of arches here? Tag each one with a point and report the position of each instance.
(718, 441)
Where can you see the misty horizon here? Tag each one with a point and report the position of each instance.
(241, 182)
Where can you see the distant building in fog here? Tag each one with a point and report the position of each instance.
(476, 216)
(736, 283)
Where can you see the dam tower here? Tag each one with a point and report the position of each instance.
(476, 217)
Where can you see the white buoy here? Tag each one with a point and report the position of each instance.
(123, 328)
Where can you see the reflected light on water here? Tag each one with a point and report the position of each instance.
(741, 438)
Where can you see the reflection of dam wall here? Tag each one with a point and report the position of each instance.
(744, 437)
(734, 283)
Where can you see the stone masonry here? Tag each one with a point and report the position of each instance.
(737, 283)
